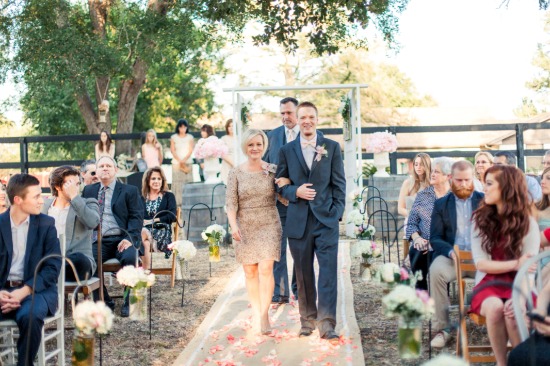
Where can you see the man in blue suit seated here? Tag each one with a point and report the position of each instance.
(316, 196)
(451, 225)
(120, 206)
(279, 137)
(27, 236)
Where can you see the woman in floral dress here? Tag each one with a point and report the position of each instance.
(157, 198)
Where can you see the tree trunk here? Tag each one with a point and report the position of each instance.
(128, 96)
(86, 108)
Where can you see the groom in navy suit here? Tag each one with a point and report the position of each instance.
(316, 198)
(278, 138)
(27, 236)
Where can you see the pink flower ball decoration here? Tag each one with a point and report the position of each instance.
(382, 142)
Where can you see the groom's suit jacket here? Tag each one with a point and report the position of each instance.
(444, 221)
(41, 241)
(328, 179)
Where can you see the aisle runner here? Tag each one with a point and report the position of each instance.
(225, 337)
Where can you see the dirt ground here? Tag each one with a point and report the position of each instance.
(174, 326)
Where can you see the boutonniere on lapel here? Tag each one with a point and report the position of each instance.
(269, 169)
(321, 151)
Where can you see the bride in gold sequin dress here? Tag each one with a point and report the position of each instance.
(255, 224)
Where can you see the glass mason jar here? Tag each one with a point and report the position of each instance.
(83, 349)
(410, 338)
(138, 304)
(214, 252)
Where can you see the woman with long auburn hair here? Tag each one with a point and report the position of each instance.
(505, 235)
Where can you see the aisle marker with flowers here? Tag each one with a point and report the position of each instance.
(136, 280)
(89, 318)
(214, 235)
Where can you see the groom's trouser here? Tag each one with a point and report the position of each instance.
(280, 269)
(322, 242)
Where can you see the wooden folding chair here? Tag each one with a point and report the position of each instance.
(170, 271)
(465, 263)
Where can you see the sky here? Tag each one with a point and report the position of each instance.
(464, 53)
(471, 52)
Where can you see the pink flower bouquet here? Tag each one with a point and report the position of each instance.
(382, 142)
(210, 147)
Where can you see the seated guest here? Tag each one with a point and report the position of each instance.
(546, 160)
(483, 161)
(535, 349)
(504, 236)
(157, 198)
(542, 212)
(75, 217)
(4, 202)
(119, 207)
(420, 217)
(451, 225)
(417, 181)
(27, 236)
(533, 187)
(88, 172)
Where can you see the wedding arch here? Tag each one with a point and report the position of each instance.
(351, 129)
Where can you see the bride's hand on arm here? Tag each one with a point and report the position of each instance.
(282, 181)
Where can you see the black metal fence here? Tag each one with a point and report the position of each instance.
(24, 164)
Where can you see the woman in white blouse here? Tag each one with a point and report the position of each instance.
(505, 235)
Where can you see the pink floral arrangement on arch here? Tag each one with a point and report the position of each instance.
(210, 147)
(382, 142)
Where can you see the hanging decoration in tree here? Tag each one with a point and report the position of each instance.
(103, 109)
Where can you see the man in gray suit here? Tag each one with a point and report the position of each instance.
(75, 217)
(316, 198)
(277, 139)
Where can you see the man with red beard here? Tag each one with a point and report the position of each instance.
(451, 225)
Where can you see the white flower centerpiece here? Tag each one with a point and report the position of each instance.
(136, 280)
(365, 248)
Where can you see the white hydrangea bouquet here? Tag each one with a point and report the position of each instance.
(367, 250)
(90, 317)
(408, 303)
(135, 277)
(390, 274)
(355, 197)
(136, 280)
(214, 235)
(184, 250)
(411, 306)
(362, 229)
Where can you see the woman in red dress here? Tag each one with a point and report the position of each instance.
(504, 236)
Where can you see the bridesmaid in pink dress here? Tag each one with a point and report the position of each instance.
(151, 150)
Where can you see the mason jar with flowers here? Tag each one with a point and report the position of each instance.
(89, 318)
(214, 235)
(365, 248)
(136, 280)
(381, 144)
(184, 251)
(211, 149)
(411, 306)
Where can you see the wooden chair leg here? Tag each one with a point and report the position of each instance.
(173, 275)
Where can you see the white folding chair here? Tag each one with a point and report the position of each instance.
(9, 332)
